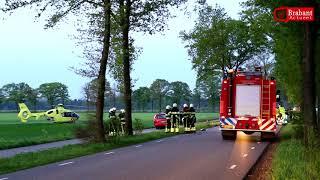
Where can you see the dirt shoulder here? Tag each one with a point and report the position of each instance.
(263, 168)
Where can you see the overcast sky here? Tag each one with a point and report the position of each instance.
(30, 54)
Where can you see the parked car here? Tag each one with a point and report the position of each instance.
(159, 120)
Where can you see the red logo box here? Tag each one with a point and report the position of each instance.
(286, 14)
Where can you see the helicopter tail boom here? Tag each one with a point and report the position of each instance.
(25, 113)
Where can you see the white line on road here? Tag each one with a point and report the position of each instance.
(233, 166)
(253, 147)
(245, 155)
(138, 145)
(67, 163)
(4, 178)
(159, 141)
(109, 153)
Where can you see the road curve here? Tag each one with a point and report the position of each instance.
(203, 155)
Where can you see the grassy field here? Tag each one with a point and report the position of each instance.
(13, 133)
(28, 160)
(292, 160)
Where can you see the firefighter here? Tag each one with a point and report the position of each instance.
(122, 119)
(112, 112)
(168, 118)
(193, 118)
(175, 118)
(281, 115)
(113, 120)
(186, 119)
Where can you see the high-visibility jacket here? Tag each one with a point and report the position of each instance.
(282, 111)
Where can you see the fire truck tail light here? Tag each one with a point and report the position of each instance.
(225, 82)
(272, 83)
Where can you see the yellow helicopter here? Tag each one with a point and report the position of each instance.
(59, 114)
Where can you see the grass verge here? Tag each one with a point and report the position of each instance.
(18, 135)
(292, 160)
(29, 160)
(14, 134)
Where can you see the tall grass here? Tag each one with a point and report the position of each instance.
(292, 160)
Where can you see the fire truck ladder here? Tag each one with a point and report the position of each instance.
(265, 108)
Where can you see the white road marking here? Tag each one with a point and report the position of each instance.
(4, 178)
(245, 155)
(67, 163)
(253, 147)
(233, 166)
(109, 153)
(138, 145)
(159, 141)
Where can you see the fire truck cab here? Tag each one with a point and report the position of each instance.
(248, 104)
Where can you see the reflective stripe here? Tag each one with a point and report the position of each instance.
(271, 127)
(231, 121)
(266, 124)
(228, 121)
(222, 122)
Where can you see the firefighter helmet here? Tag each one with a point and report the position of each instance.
(168, 107)
(174, 105)
(122, 111)
(191, 105)
(185, 105)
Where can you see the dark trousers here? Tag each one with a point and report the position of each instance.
(168, 123)
(193, 121)
(174, 121)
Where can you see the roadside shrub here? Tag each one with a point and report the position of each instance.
(89, 130)
(296, 118)
(113, 126)
(113, 130)
(138, 125)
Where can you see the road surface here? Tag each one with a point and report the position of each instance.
(203, 155)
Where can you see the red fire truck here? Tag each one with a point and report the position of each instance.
(248, 104)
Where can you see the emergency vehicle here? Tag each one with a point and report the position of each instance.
(248, 104)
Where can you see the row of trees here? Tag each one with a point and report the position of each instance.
(285, 50)
(218, 43)
(152, 98)
(158, 95)
(53, 92)
(296, 50)
(108, 28)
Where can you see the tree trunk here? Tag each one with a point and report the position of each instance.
(152, 105)
(199, 104)
(160, 102)
(309, 113)
(125, 26)
(88, 105)
(317, 113)
(102, 72)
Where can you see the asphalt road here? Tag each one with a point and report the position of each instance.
(203, 155)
